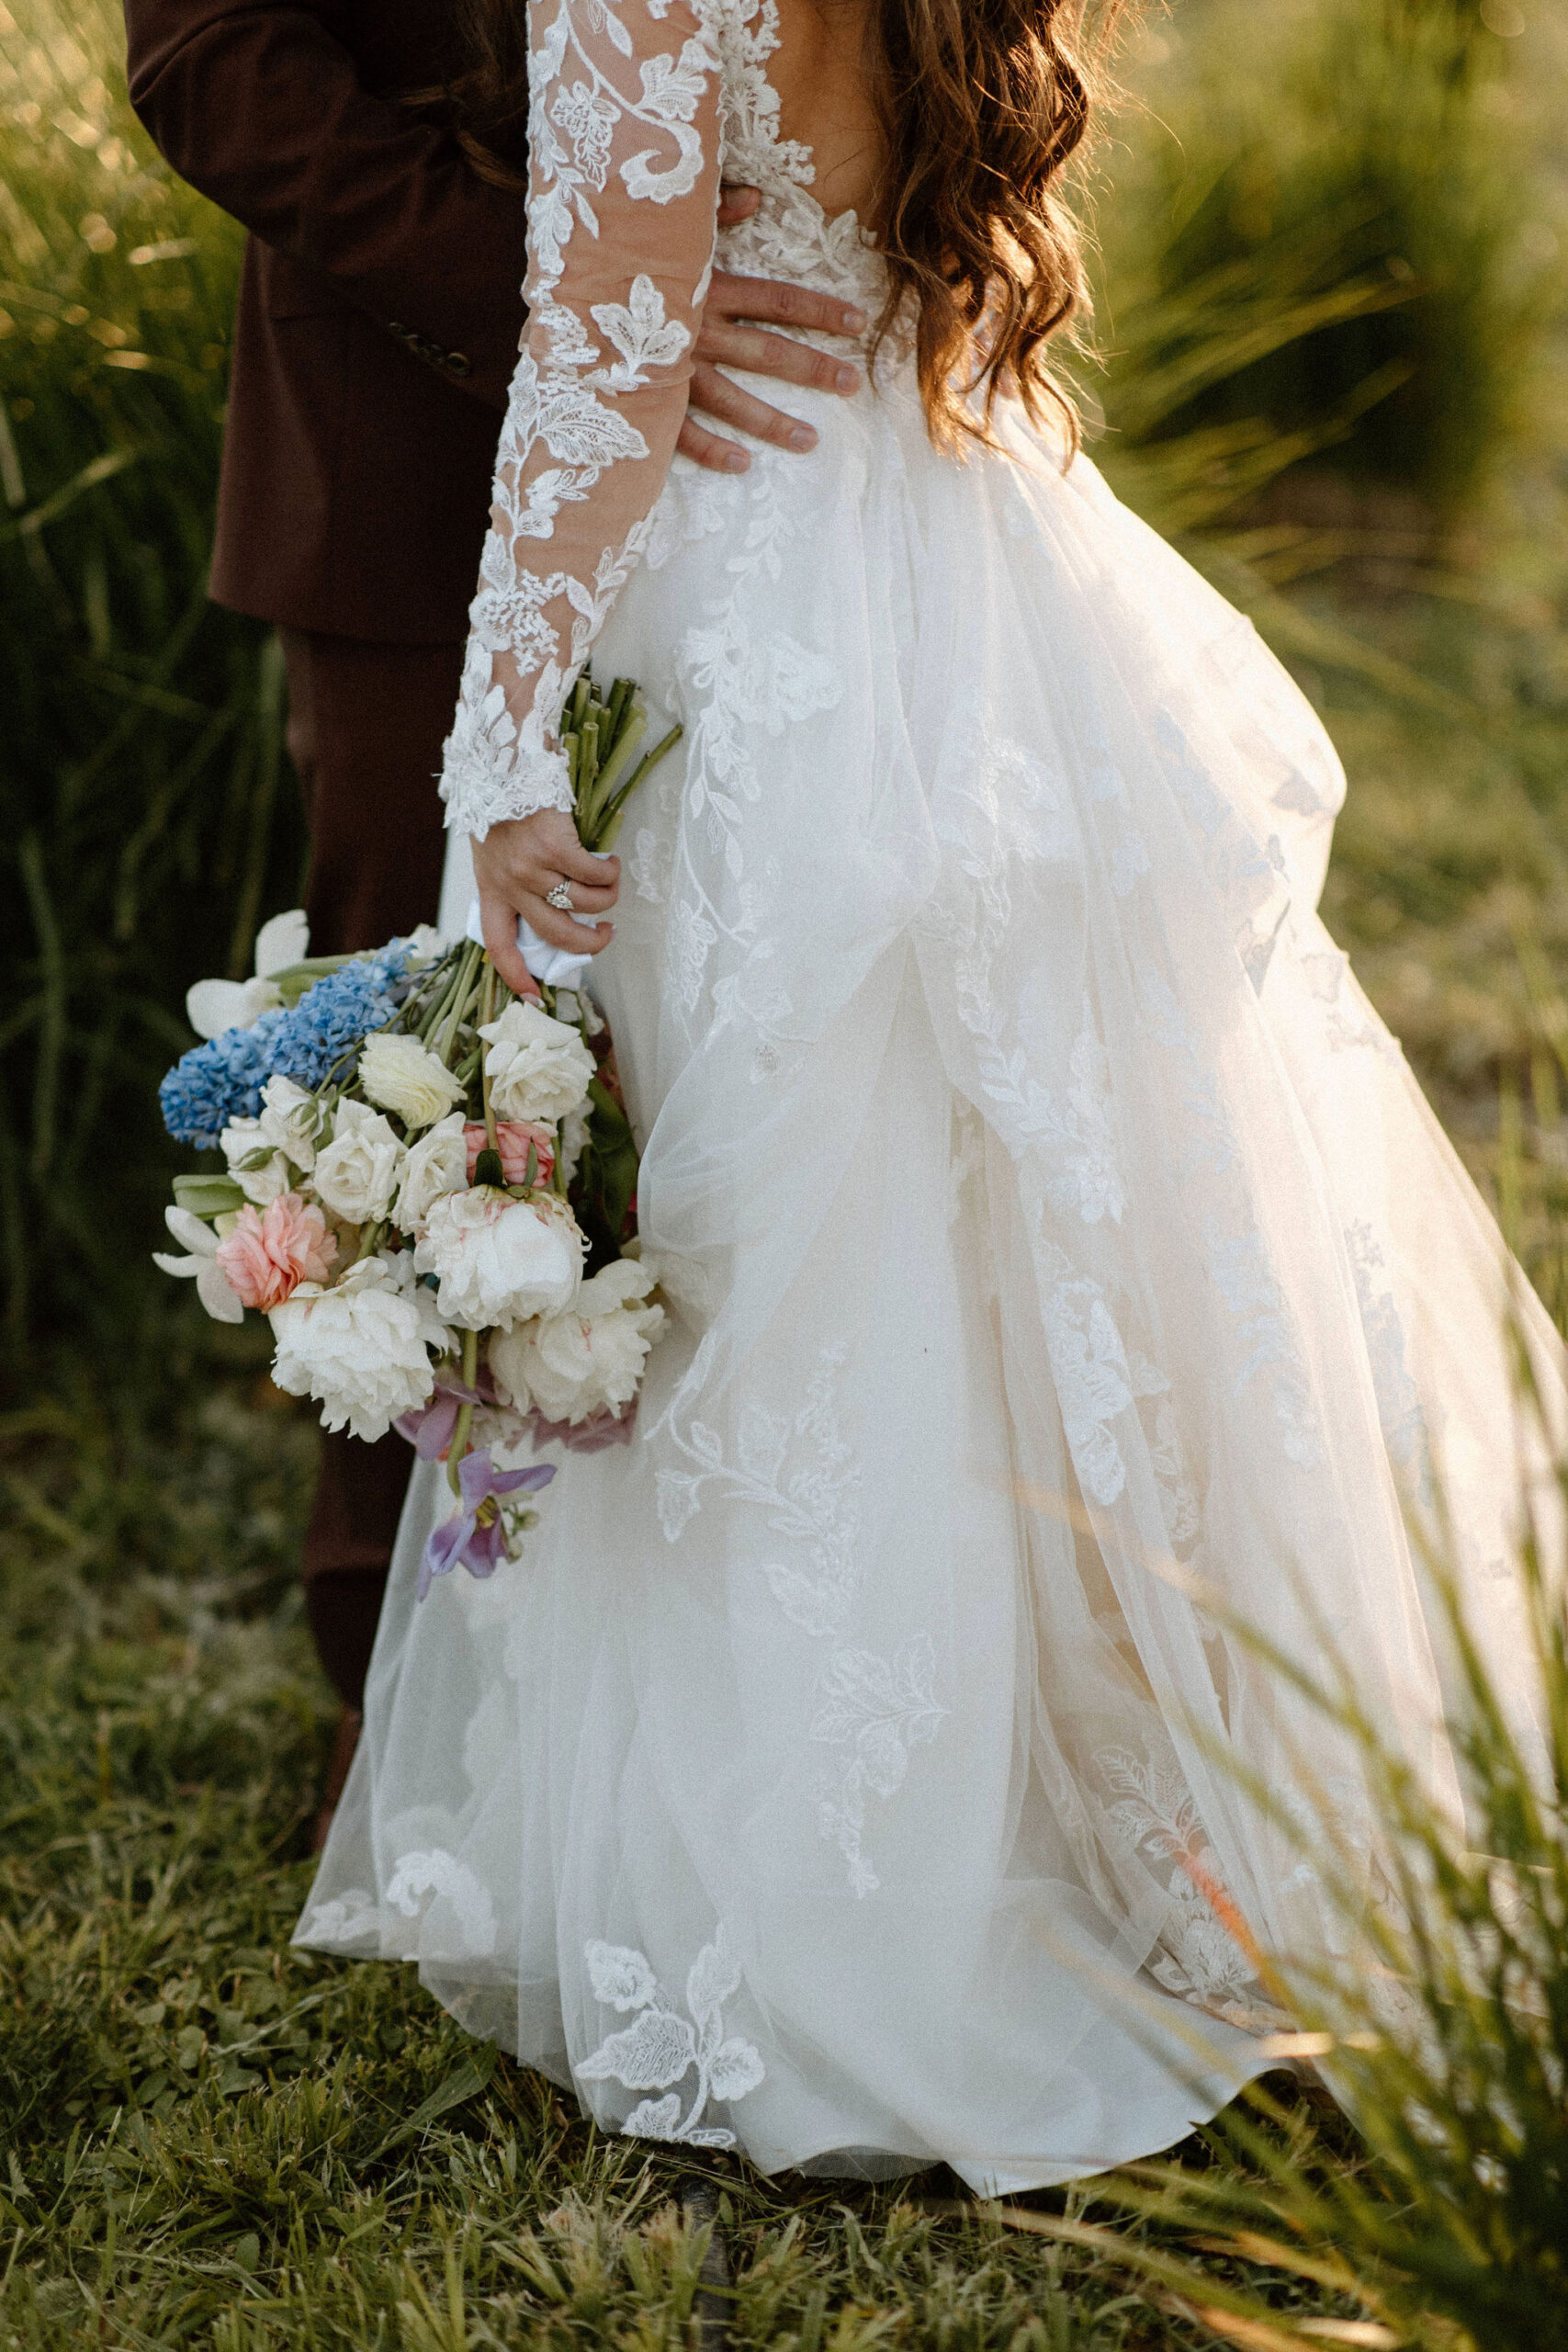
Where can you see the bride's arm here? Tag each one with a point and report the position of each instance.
(623, 188)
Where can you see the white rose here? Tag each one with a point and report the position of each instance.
(500, 1260)
(360, 1350)
(360, 1170)
(587, 1360)
(436, 1164)
(538, 1068)
(403, 1075)
(292, 1121)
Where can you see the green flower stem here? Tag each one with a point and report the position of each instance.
(459, 1444)
(460, 1002)
(600, 799)
(487, 1013)
(440, 997)
(616, 808)
(370, 1240)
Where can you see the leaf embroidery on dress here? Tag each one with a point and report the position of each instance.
(876, 1710)
(662, 2047)
(1199, 1957)
(799, 1470)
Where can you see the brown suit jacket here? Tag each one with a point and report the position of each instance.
(379, 309)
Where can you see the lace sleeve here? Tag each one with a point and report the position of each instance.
(624, 141)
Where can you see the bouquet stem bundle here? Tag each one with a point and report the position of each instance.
(599, 737)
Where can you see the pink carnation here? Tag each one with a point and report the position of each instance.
(268, 1255)
(513, 1138)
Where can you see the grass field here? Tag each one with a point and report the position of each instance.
(204, 2139)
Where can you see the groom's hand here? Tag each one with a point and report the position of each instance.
(732, 335)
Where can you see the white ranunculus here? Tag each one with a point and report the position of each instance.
(538, 1068)
(212, 1006)
(436, 1164)
(240, 1141)
(589, 1360)
(292, 1121)
(361, 1349)
(287, 1129)
(499, 1259)
(403, 1075)
(212, 1285)
(359, 1172)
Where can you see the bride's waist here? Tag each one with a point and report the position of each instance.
(798, 246)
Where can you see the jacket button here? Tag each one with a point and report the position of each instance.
(460, 364)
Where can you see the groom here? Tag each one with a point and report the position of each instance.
(379, 315)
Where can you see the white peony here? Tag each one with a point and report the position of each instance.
(538, 1068)
(362, 1348)
(212, 1006)
(403, 1075)
(587, 1360)
(360, 1170)
(500, 1260)
(436, 1164)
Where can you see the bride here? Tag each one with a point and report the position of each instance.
(857, 1768)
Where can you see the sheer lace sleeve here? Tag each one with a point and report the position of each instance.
(624, 146)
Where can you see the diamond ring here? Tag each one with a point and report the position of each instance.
(560, 897)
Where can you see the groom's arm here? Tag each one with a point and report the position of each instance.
(260, 106)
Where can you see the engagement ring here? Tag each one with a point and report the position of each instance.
(560, 897)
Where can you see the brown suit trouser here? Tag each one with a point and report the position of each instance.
(365, 727)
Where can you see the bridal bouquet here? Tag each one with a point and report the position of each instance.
(430, 1193)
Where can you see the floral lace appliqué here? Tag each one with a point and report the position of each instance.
(663, 2048)
(1198, 1958)
(440, 1874)
(599, 392)
(799, 1471)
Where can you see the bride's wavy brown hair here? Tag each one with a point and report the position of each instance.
(982, 104)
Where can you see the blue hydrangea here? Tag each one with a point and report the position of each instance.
(219, 1082)
(330, 1018)
(223, 1079)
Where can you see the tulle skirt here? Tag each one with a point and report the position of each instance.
(861, 1766)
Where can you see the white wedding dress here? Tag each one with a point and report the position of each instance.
(850, 1771)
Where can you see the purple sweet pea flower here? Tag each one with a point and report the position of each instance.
(430, 1427)
(480, 1543)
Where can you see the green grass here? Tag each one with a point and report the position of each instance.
(205, 2138)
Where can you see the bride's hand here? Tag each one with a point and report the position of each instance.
(515, 866)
